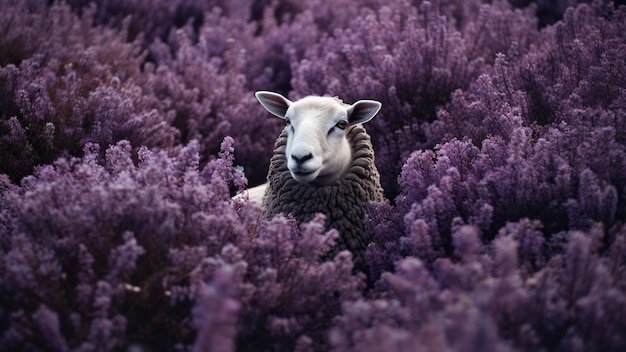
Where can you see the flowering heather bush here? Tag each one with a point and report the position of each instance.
(411, 59)
(501, 145)
(498, 297)
(109, 255)
(65, 83)
(510, 149)
(156, 18)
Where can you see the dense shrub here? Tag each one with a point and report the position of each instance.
(126, 127)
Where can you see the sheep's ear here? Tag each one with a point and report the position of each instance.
(363, 111)
(275, 103)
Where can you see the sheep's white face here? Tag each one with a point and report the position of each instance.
(317, 149)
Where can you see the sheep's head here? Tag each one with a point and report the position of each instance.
(317, 149)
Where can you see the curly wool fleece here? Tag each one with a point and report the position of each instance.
(344, 203)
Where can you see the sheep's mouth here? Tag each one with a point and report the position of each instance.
(304, 176)
(303, 173)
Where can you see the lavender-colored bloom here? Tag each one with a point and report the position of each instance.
(593, 203)
(123, 259)
(531, 244)
(215, 314)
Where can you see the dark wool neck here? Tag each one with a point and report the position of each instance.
(344, 203)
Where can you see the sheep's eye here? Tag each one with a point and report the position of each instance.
(287, 121)
(342, 124)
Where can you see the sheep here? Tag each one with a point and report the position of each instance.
(323, 162)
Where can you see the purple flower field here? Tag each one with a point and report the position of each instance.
(126, 126)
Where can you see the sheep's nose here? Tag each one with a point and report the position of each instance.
(301, 159)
